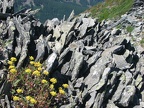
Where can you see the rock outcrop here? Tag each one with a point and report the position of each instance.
(103, 63)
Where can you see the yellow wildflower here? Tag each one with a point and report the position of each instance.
(10, 62)
(28, 98)
(13, 71)
(65, 85)
(45, 72)
(13, 59)
(32, 62)
(44, 81)
(36, 73)
(28, 71)
(37, 64)
(11, 67)
(31, 58)
(19, 91)
(61, 91)
(51, 86)
(60, 88)
(33, 101)
(16, 98)
(53, 93)
(53, 80)
(39, 69)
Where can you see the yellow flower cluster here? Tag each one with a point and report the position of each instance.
(37, 64)
(51, 86)
(13, 71)
(12, 68)
(61, 91)
(16, 98)
(39, 69)
(28, 71)
(53, 93)
(32, 62)
(45, 72)
(28, 98)
(19, 91)
(44, 81)
(31, 100)
(53, 80)
(31, 58)
(36, 73)
(13, 59)
(10, 62)
(65, 85)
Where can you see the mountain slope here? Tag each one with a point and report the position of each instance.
(110, 8)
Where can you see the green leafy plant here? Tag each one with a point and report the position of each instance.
(32, 86)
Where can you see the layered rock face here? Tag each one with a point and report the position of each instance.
(104, 65)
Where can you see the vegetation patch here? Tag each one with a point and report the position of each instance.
(130, 29)
(111, 9)
(33, 87)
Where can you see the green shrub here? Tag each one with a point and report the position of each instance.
(32, 86)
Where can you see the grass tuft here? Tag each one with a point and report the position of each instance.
(130, 29)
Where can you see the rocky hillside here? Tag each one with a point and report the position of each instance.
(103, 62)
(55, 8)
